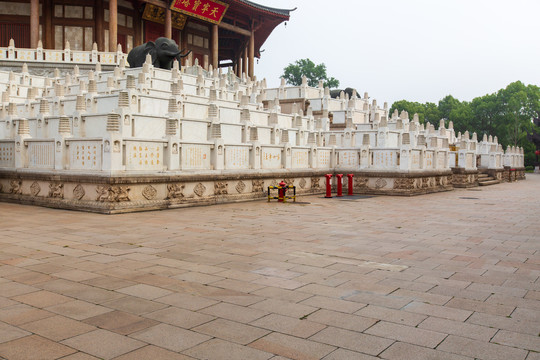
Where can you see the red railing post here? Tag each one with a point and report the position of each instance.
(350, 189)
(339, 178)
(328, 185)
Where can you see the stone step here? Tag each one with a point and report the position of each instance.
(480, 176)
(489, 182)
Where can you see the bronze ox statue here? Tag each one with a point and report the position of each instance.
(163, 51)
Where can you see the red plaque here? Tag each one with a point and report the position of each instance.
(208, 10)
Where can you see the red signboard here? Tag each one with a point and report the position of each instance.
(208, 10)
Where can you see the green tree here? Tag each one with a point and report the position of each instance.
(432, 113)
(462, 117)
(487, 111)
(507, 114)
(447, 104)
(293, 73)
(520, 104)
(426, 112)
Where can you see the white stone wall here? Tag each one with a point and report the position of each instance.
(213, 121)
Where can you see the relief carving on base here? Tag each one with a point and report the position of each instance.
(149, 192)
(444, 180)
(35, 188)
(289, 182)
(78, 192)
(315, 183)
(220, 188)
(240, 187)
(15, 187)
(257, 185)
(428, 182)
(199, 189)
(360, 182)
(302, 183)
(380, 183)
(459, 179)
(56, 190)
(404, 183)
(175, 191)
(113, 193)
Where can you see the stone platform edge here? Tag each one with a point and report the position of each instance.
(122, 193)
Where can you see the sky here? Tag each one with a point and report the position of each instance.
(417, 50)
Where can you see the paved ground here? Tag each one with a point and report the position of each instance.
(443, 276)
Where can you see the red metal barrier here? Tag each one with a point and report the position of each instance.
(339, 178)
(328, 186)
(350, 188)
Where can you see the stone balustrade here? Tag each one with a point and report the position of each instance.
(169, 136)
(43, 61)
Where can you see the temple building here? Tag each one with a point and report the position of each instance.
(220, 32)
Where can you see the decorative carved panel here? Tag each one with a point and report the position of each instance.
(175, 191)
(78, 192)
(35, 188)
(56, 190)
(113, 193)
(149, 192)
(15, 187)
(257, 185)
(360, 182)
(220, 188)
(380, 183)
(199, 189)
(240, 187)
(404, 183)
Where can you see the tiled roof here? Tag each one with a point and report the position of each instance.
(283, 12)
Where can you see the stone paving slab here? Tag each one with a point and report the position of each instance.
(452, 275)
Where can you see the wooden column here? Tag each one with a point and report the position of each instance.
(183, 45)
(245, 61)
(252, 54)
(113, 24)
(137, 27)
(168, 23)
(47, 24)
(34, 23)
(215, 46)
(100, 33)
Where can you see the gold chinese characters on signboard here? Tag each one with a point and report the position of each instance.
(207, 10)
(157, 14)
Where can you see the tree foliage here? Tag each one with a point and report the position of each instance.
(293, 73)
(507, 114)
(428, 112)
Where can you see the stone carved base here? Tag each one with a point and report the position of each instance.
(506, 174)
(464, 178)
(120, 194)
